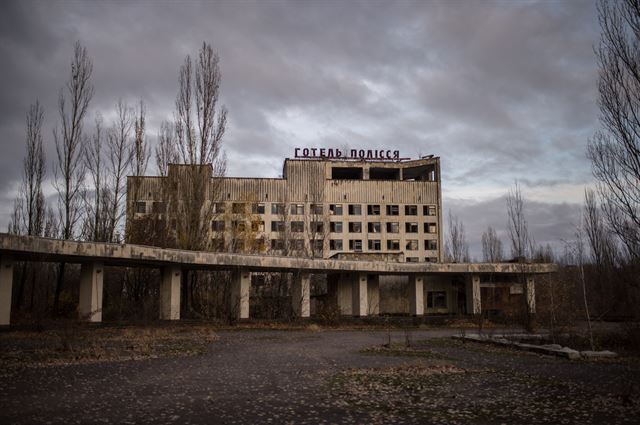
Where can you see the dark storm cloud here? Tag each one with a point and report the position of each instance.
(499, 90)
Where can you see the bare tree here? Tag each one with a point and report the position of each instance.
(491, 246)
(166, 152)
(120, 157)
(140, 145)
(69, 170)
(457, 247)
(614, 151)
(521, 240)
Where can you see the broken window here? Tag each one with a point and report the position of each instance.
(355, 245)
(297, 209)
(393, 210)
(335, 227)
(277, 244)
(335, 244)
(257, 208)
(277, 226)
(335, 209)
(317, 226)
(374, 244)
(158, 207)
(373, 209)
(355, 209)
(355, 227)
(393, 244)
(374, 227)
(410, 210)
(238, 225)
(317, 209)
(412, 245)
(238, 208)
(430, 227)
(218, 208)
(430, 245)
(411, 227)
(431, 259)
(429, 210)
(412, 259)
(217, 226)
(277, 209)
(436, 299)
(376, 173)
(297, 226)
(393, 227)
(257, 226)
(141, 207)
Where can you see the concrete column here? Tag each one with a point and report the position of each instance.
(339, 291)
(359, 297)
(240, 286)
(416, 295)
(373, 292)
(90, 306)
(6, 285)
(300, 294)
(474, 304)
(170, 293)
(530, 294)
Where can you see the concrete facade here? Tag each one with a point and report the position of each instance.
(301, 295)
(91, 282)
(170, 293)
(6, 288)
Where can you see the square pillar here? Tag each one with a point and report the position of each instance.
(416, 295)
(300, 294)
(170, 293)
(373, 292)
(359, 297)
(240, 286)
(339, 291)
(474, 303)
(6, 286)
(530, 294)
(90, 306)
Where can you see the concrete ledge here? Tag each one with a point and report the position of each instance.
(547, 349)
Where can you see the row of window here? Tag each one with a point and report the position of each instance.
(318, 226)
(318, 209)
(376, 245)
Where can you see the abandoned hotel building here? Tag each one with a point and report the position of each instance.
(370, 221)
(360, 205)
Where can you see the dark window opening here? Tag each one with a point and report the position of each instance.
(384, 173)
(436, 299)
(423, 173)
(346, 173)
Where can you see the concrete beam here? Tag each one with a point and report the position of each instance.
(90, 305)
(240, 287)
(530, 294)
(300, 294)
(359, 297)
(474, 302)
(170, 293)
(416, 295)
(373, 292)
(6, 286)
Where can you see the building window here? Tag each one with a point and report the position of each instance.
(430, 245)
(393, 245)
(217, 226)
(335, 244)
(238, 208)
(412, 245)
(374, 244)
(355, 227)
(393, 227)
(411, 227)
(158, 207)
(355, 209)
(297, 244)
(297, 226)
(218, 208)
(431, 259)
(335, 227)
(393, 210)
(297, 209)
(430, 227)
(373, 209)
(277, 244)
(317, 209)
(217, 244)
(412, 259)
(257, 208)
(429, 210)
(436, 299)
(335, 209)
(277, 209)
(238, 245)
(277, 226)
(238, 225)
(317, 227)
(257, 226)
(141, 207)
(317, 246)
(355, 245)
(374, 227)
(410, 210)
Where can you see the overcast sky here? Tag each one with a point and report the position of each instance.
(500, 90)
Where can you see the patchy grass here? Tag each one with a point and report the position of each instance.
(402, 350)
(73, 343)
